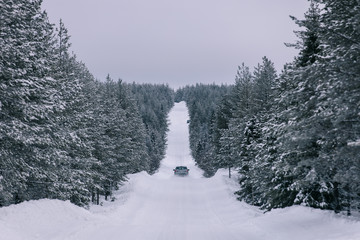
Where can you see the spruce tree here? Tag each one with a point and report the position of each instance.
(308, 42)
(28, 99)
(264, 79)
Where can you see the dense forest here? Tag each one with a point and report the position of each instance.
(202, 101)
(154, 103)
(294, 138)
(63, 134)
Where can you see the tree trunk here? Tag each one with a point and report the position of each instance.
(348, 200)
(92, 196)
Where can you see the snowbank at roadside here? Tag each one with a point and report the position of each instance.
(296, 222)
(41, 219)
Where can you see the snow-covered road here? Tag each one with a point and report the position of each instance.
(164, 206)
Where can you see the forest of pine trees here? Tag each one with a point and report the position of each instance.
(154, 101)
(294, 138)
(63, 134)
(201, 101)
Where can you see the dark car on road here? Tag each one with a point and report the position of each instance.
(181, 170)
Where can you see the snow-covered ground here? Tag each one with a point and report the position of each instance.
(164, 206)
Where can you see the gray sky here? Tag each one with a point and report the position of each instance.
(178, 42)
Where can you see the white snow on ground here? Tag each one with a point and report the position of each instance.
(164, 206)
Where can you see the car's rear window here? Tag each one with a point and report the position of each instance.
(181, 168)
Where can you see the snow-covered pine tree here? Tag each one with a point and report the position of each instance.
(28, 99)
(308, 38)
(264, 78)
(108, 137)
(253, 151)
(223, 139)
(338, 105)
(318, 114)
(241, 99)
(242, 93)
(241, 110)
(74, 161)
(119, 136)
(134, 131)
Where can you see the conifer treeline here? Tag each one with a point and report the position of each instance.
(201, 101)
(63, 134)
(295, 139)
(154, 103)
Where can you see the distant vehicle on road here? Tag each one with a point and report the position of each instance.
(181, 170)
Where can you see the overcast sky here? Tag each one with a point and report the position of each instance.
(178, 42)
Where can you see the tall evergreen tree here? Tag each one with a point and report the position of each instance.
(317, 117)
(264, 80)
(340, 96)
(28, 99)
(308, 43)
(242, 93)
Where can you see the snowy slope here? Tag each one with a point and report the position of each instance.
(164, 206)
